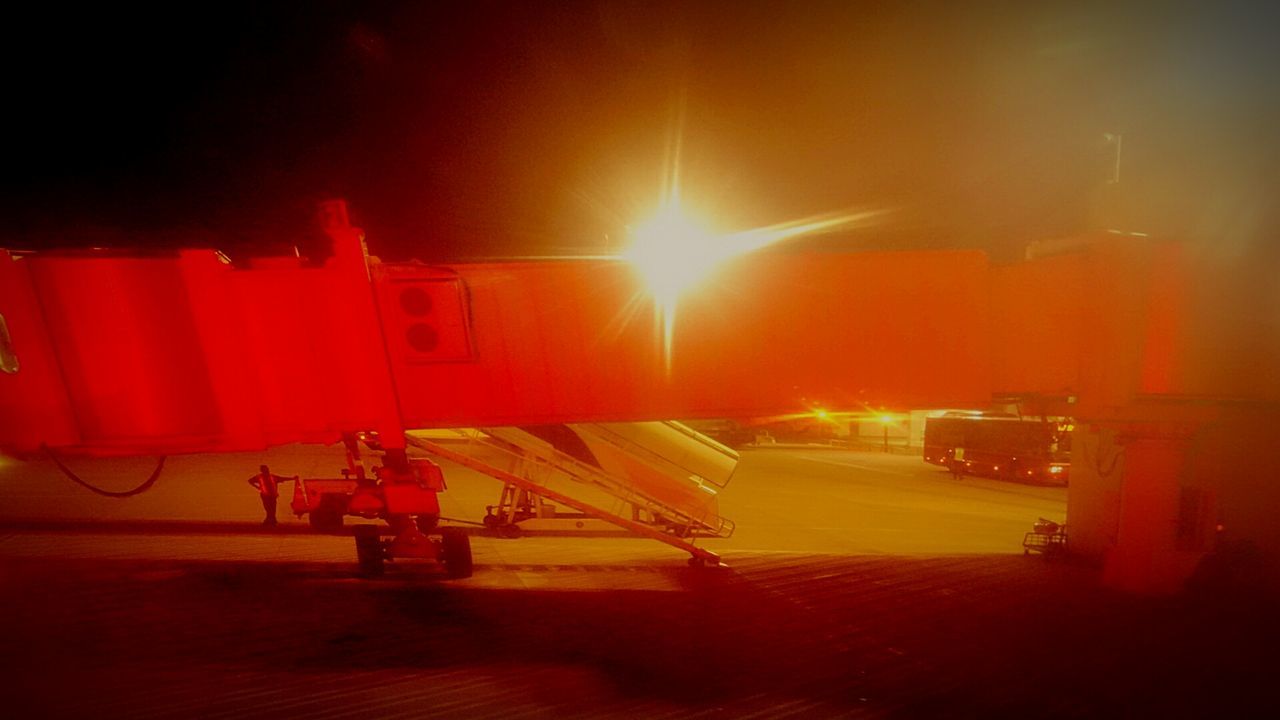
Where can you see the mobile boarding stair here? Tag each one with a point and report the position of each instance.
(655, 479)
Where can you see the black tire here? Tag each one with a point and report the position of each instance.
(369, 551)
(327, 518)
(427, 523)
(455, 553)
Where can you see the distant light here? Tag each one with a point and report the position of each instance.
(887, 419)
(822, 414)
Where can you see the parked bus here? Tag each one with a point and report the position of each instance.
(1005, 448)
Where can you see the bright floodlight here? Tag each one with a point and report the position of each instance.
(674, 250)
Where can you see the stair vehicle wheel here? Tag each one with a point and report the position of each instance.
(456, 553)
(369, 551)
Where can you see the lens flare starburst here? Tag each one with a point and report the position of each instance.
(675, 249)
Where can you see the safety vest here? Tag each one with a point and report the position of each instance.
(267, 484)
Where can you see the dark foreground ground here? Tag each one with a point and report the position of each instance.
(773, 636)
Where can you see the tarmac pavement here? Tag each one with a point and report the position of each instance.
(857, 585)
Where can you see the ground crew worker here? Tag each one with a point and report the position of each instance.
(267, 483)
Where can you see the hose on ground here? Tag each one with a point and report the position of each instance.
(145, 486)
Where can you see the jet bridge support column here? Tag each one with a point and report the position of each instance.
(1173, 459)
(1189, 498)
(1159, 540)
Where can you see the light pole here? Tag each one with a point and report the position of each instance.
(884, 423)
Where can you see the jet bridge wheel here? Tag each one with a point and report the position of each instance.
(369, 551)
(455, 553)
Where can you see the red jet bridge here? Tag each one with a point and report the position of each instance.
(1168, 364)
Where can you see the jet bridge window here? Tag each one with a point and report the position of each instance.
(427, 319)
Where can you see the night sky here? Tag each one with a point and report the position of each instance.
(487, 128)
